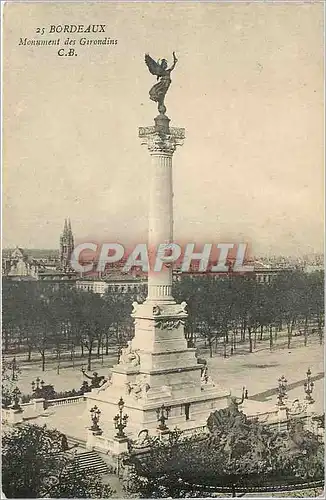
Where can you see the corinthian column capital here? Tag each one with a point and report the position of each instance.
(161, 143)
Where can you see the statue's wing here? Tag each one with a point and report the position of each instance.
(152, 65)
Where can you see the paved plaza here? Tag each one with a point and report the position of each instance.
(258, 372)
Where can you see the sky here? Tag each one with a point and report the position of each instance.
(248, 88)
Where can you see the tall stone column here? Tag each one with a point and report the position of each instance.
(161, 141)
(158, 368)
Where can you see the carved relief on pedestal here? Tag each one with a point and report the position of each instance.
(138, 389)
(129, 356)
(173, 310)
(169, 324)
(157, 310)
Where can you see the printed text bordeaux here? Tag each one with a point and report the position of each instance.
(73, 28)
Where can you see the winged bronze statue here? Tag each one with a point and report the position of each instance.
(163, 73)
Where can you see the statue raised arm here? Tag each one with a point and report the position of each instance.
(96, 379)
(163, 73)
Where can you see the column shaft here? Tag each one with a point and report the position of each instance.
(161, 142)
(160, 230)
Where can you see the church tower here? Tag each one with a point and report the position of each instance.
(66, 246)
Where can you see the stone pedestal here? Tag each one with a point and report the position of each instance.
(157, 367)
(39, 404)
(15, 417)
(282, 417)
(90, 441)
(120, 446)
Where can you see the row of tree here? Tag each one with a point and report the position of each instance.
(238, 308)
(37, 317)
(232, 309)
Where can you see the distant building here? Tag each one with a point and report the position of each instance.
(115, 285)
(18, 265)
(267, 275)
(66, 246)
(312, 268)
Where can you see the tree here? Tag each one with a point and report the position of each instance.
(316, 281)
(9, 319)
(186, 289)
(207, 311)
(119, 308)
(91, 312)
(34, 465)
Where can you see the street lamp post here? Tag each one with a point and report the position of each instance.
(14, 369)
(58, 360)
(95, 417)
(282, 390)
(162, 416)
(309, 387)
(120, 420)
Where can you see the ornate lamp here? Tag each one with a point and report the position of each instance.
(120, 420)
(282, 390)
(95, 417)
(37, 386)
(309, 387)
(162, 416)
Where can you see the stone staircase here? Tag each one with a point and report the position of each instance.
(92, 460)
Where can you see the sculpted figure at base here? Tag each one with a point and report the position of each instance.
(129, 356)
(184, 306)
(205, 378)
(298, 407)
(163, 73)
(143, 438)
(96, 380)
(106, 384)
(139, 389)
(156, 310)
(235, 403)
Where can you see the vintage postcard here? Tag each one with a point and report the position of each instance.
(162, 249)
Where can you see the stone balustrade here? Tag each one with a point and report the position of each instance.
(65, 401)
(25, 405)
